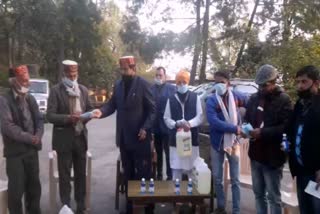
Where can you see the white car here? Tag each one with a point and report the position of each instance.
(39, 88)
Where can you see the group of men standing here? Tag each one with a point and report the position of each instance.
(158, 113)
(269, 112)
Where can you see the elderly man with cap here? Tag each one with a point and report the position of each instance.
(67, 101)
(133, 101)
(22, 130)
(183, 112)
(267, 111)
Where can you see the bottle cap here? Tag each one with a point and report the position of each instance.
(190, 179)
(143, 179)
(284, 134)
(151, 179)
(177, 179)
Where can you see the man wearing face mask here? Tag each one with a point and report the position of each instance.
(183, 112)
(304, 137)
(161, 92)
(267, 111)
(132, 99)
(22, 130)
(67, 101)
(224, 119)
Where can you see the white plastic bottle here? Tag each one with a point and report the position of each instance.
(177, 186)
(189, 187)
(284, 143)
(151, 186)
(143, 185)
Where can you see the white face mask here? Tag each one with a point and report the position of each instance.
(158, 81)
(182, 89)
(221, 88)
(19, 88)
(24, 90)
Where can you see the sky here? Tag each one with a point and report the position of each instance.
(154, 23)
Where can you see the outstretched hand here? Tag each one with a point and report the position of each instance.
(96, 113)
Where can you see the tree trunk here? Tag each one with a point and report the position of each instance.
(237, 65)
(60, 59)
(10, 54)
(197, 45)
(205, 34)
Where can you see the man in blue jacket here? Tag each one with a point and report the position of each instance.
(224, 120)
(161, 92)
(133, 101)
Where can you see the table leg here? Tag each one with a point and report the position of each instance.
(202, 207)
(136, 208)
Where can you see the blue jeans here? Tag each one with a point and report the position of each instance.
(266, 183)
(307, 203)
(217, 158)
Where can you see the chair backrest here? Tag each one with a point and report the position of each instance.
(245, 167)
(53, 163)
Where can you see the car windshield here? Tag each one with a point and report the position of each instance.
(246, 89)
(38, 87)
(204, 87)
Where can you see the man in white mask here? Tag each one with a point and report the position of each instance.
(183, 112)
(22, 130)
(67, 101)
(224, 120)
(161, 92)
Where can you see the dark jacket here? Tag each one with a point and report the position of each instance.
(161, 93)
(134, 112)
(17, 141)
(190, 111)
(310, 139)
(277, 109)
(58, 113)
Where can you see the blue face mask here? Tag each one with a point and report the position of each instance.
(182, 89)
(221, 88)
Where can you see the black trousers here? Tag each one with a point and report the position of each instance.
(77, 159)
(136, 162)
(23, 178)
(161, 143)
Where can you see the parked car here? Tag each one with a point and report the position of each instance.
(205, 90)
(39, 88)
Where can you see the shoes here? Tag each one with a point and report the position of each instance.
(159, 177)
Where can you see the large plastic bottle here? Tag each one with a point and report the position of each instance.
(201, 176)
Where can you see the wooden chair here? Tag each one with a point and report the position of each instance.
(120, 182)
(3, 197)
(289, 195)
(120, 179)
(245, 169)
(54, 180)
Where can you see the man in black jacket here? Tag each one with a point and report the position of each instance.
(267, 111)
(134, 103)
(22, 130)
(304, 136)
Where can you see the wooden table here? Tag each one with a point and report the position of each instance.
(164, 193)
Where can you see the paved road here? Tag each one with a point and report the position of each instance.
(104, 151)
